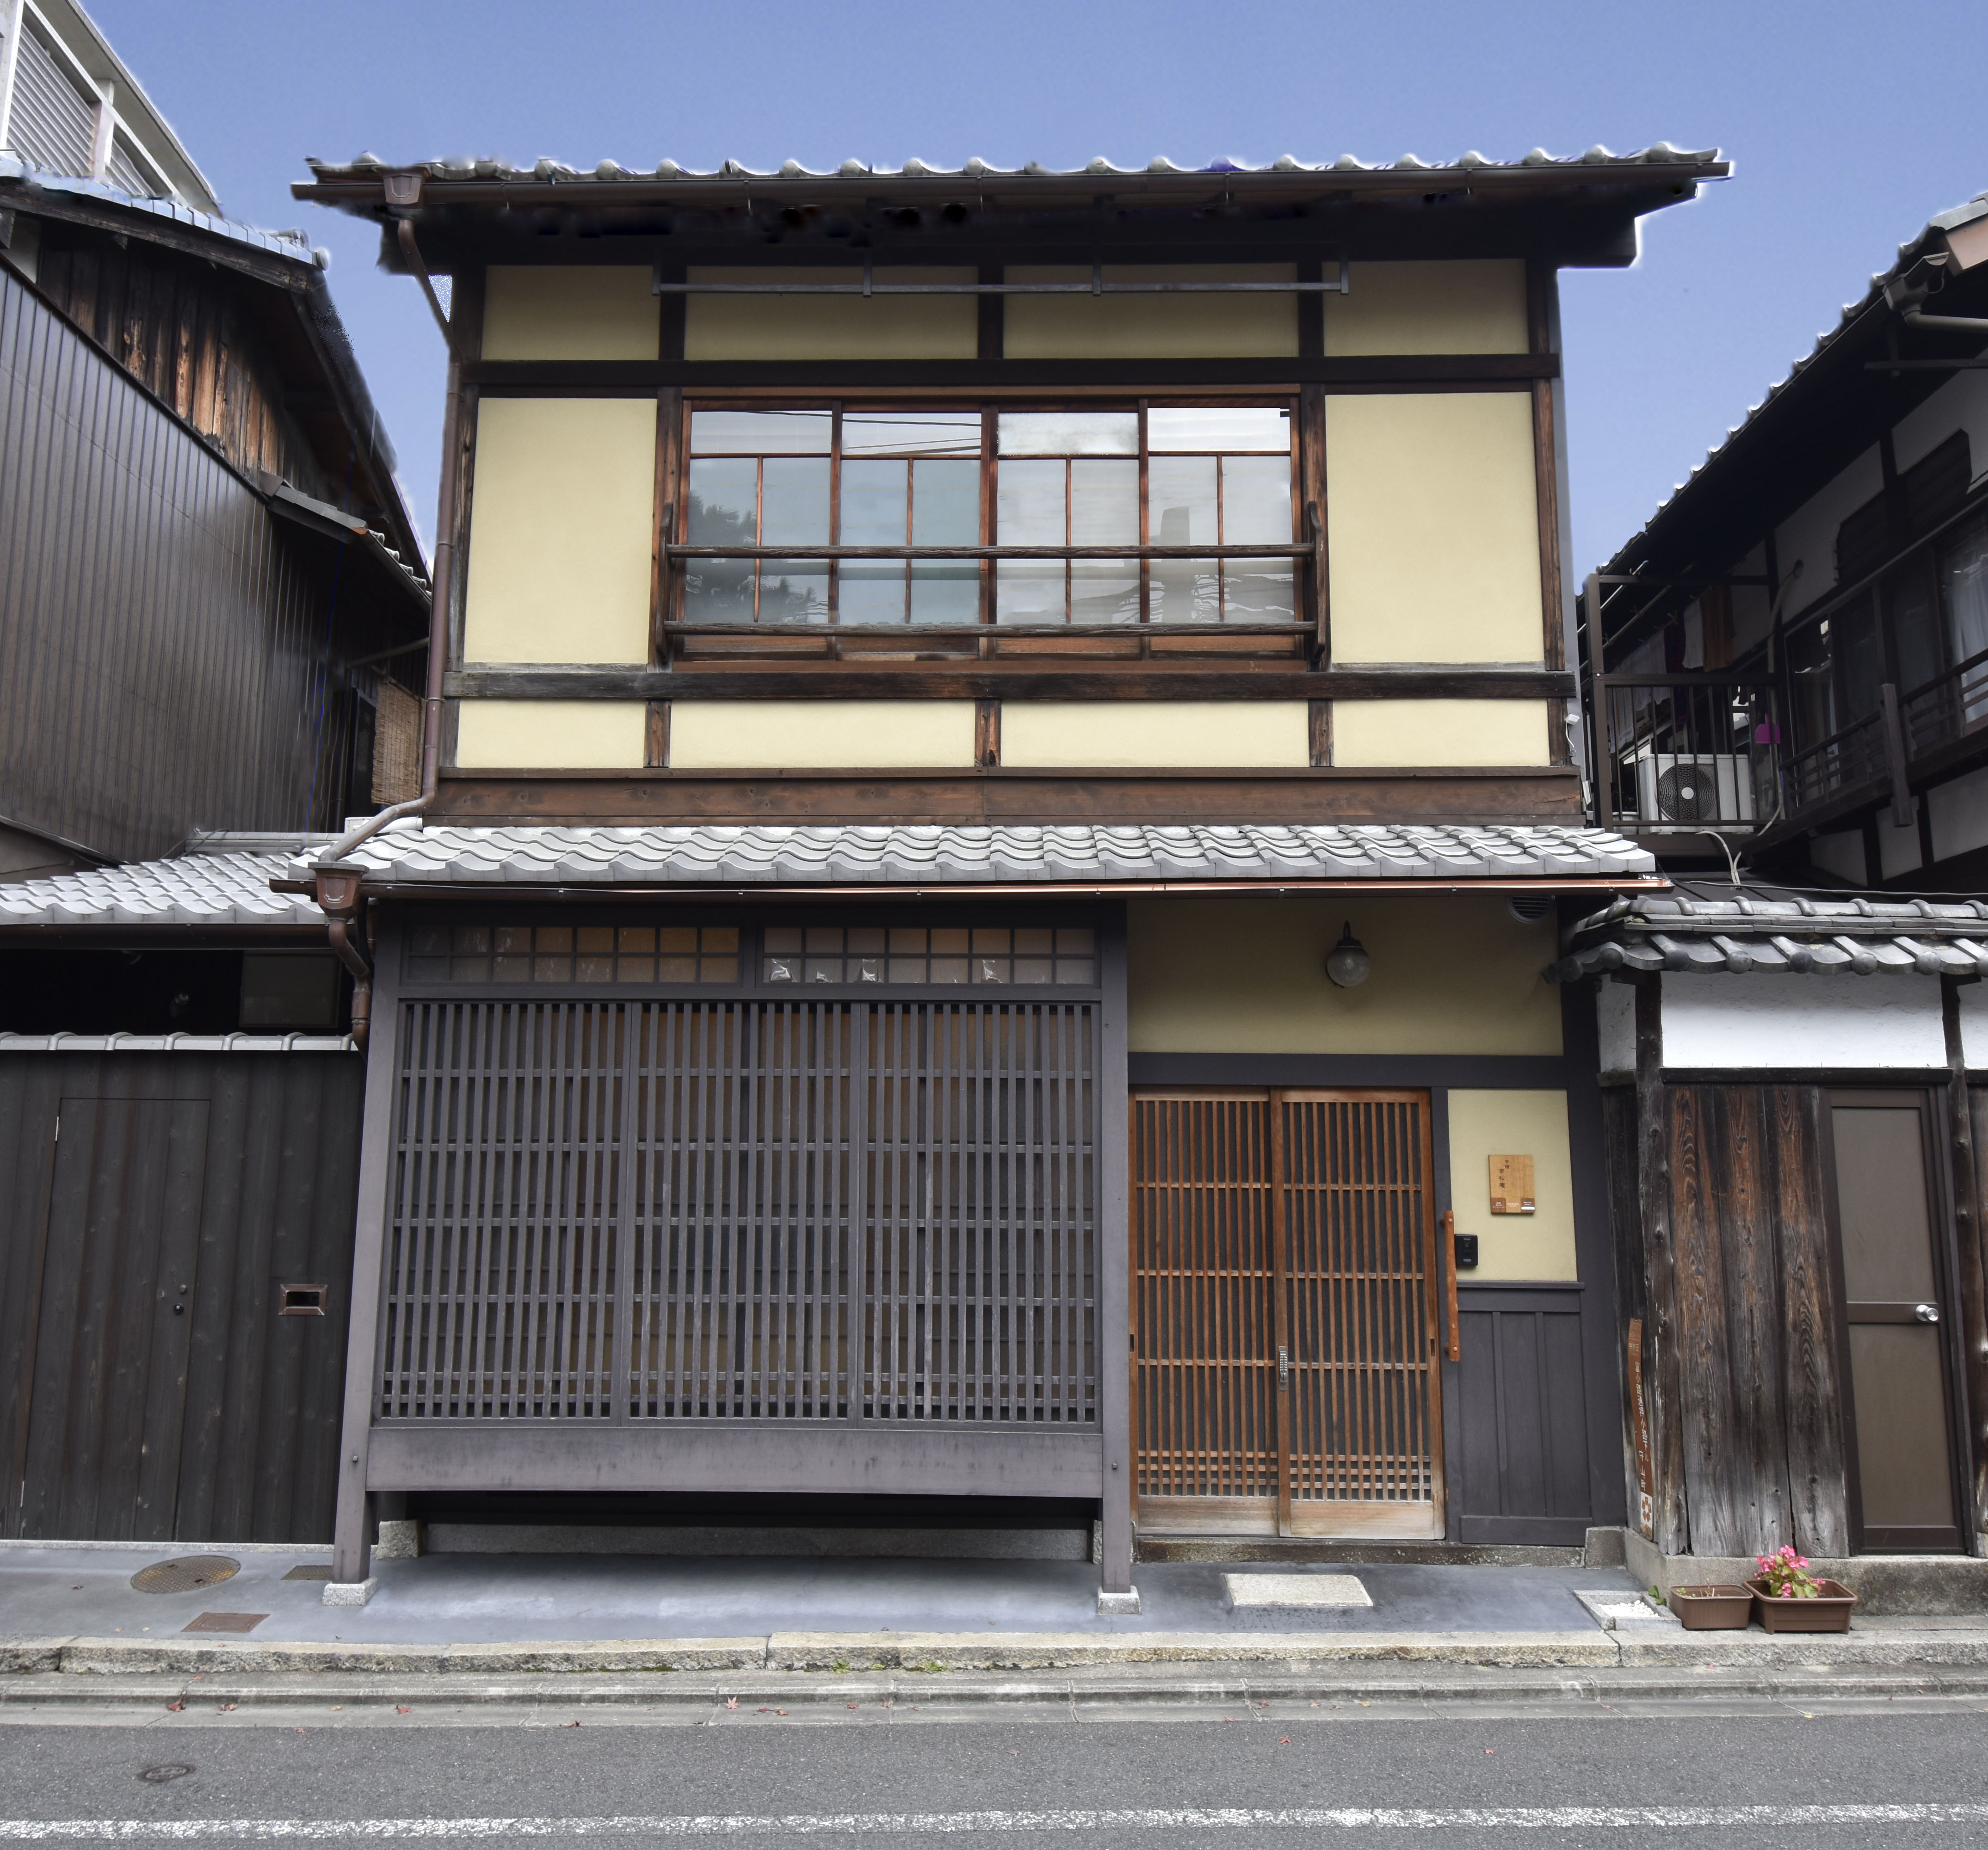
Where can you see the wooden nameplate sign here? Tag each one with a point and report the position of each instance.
(1511, 1186)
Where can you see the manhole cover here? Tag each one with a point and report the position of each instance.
(185, 1575)
(159, 1776)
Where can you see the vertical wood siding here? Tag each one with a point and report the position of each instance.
(162, 638)
(1521, 1455)
(202, 1182)
(1759, 1403)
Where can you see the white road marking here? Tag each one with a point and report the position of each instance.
(1395, 1818)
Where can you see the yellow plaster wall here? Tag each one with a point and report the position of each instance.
(1249, 326)
(1482, 1124)
(552, 734)
(561, 530)
(1245, 973)
(1473, 306)
(831, 327)
(1162, 734)
(820, 734)
(568, 312)
(1432, 518)
(1476, 733)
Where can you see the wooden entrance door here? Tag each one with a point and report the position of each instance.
(1898, 1311)
(1284, 1323)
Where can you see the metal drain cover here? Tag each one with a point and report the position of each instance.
(187, 1574)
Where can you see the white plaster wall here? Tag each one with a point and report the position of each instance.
(1974, 1023)
(1809, 533)
(1960, 814)
(1898, 848)
(1842, 855)
(1960, 405)
(1615, 1021)
(1765, 1019)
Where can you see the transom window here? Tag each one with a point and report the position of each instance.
(1123, 479)
(917, 956)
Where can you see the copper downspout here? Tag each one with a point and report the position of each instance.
(339, 884)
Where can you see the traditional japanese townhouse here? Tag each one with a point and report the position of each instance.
(1000, 765)
(213, 605)
(1784, 671)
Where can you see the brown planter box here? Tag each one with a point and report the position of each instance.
(1724, 1607)
(1828, 1611)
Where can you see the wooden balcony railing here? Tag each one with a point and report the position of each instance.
(1684, 753)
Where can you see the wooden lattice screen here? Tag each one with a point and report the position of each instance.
(1291, 1226)
(792, 1211)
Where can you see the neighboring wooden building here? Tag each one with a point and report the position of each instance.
(936, 663)
(213, 612)
(1787, 666)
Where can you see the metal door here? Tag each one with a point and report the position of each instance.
(1896, 1306)
(1284, 1335)
(107, 1403)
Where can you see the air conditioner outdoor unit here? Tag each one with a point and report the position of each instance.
(1712, 787)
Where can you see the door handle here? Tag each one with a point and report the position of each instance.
(1926, 1313)
(1454, 1351)
(1283, 1368)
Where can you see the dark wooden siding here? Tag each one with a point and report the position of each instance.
(1522, 1438)
(229, 1174)
(163, 636)
(187, 331)
(1759, 1395)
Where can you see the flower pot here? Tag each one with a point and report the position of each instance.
(1713, 1608)
(1828, 1611)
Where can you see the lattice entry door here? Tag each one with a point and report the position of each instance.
(1283, 1272)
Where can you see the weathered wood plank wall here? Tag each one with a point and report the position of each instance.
(237, 1408)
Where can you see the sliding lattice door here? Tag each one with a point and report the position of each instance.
(1284, 1335)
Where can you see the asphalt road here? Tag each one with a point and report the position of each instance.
(1676, 1775)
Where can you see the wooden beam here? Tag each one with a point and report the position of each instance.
(1663, 1375)
(1466, 794)
(1101, 377)
(1142, 680)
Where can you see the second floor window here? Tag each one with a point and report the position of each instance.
(1123, 479)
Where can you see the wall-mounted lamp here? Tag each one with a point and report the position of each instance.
(1347, 963)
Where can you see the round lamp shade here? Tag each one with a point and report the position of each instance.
(1347, 963)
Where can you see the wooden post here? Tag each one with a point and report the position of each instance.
(1973, 1262)
(351, 1545)
(1113, 1264)
(1663, 1378)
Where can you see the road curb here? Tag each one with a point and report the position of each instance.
(108, 1660)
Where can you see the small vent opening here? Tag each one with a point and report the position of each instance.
(300, 1301)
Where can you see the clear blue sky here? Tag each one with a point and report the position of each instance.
(1850, 126)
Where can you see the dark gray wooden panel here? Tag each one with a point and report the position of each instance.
(238, 1408)
(1520, 1461)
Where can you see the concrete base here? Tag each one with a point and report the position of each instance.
(351, 1592)
(400, 1539)
(1928, 1585)
(1119, 1605)
(823, 1543)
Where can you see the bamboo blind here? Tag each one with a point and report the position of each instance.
(724, 1208)
(1301, 1222)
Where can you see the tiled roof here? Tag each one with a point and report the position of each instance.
(1633, 549)
(1659, 154)
(1780, 932)
(900, 855)
(292, 244)
(176, 1044)
(231, 887)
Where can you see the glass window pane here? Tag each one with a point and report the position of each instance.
(908, 938)
(1222, 427)
(947, 970)
(1256, 500)
(721, 508)
(514, 969)
(908, 969)
(868, 939)
(1030, 512)
(794, 590)
(756, 433)
(677, 939)
(634, 938)
(1070, 434)
(596, 969)
(1080, 939)
(904, 433)
(1181, 498)
(720, 937)
(951, 938)
(1032, 969)
(945, 503)
(719, 969)
(1963, 573)
(676, 969)
(794, 506)
(594, 939)
(783, 938)
(1105, 511)
(875, 503)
